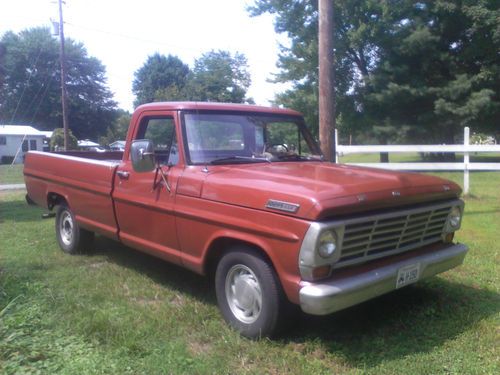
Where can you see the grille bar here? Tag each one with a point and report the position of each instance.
(391, 233)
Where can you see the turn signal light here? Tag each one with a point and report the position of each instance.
(321, 272)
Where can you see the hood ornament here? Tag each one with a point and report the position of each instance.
(282, 206)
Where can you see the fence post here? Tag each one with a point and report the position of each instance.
(466, 160)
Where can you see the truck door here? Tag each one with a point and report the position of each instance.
(144, 201)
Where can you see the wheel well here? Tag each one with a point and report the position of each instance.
(54, 199)
(221, 246)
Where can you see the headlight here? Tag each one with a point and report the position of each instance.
(327, 244)
(454, 218)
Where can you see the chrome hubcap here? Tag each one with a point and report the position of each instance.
(243, 293)
(66, 228)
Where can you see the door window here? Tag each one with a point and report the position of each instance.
(161, 130)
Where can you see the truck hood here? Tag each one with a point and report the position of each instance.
(319, 190)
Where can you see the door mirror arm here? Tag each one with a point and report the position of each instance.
(159, 171)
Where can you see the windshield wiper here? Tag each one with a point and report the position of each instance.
(239, 159)
(298, 157)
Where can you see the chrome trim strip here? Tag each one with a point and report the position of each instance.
(326, 297)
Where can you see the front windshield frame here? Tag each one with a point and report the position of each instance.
(275, 117)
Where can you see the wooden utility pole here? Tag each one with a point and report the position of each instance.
(326, 80)
(62, 58)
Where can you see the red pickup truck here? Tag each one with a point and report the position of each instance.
(243, 194)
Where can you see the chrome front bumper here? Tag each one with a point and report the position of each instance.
(333, 295)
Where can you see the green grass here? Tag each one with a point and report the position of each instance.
(118, 311)
(11, 174)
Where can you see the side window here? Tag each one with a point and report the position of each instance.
(161, 130)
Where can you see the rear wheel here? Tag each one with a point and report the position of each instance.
(71, 238)
(249, 293)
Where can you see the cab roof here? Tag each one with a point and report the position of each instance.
(209, 106)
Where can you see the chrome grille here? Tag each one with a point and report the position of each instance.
(387, 234)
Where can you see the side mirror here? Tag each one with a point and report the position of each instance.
(142, 155)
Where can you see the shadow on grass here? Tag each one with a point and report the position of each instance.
(162, 272)
(18, 209)
(415, 319)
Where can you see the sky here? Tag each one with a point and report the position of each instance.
(122, 34)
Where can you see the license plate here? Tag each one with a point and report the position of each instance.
(408, 275)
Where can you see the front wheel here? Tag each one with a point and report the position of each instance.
(249, 293)
(71, 238)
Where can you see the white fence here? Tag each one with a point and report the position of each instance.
(464, 166)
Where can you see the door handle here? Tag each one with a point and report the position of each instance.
(124, 175)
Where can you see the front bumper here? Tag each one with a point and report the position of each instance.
(333, 295)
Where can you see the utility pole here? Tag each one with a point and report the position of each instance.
(326, 80)
(62, 58)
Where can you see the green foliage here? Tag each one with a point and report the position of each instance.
(57, 140)
(160, 78)
(118, 129)
(405, 70)
(30, 84)
(217, 76)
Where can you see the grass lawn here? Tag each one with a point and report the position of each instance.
(11, 174)
(118, 311)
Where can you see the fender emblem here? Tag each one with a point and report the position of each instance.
(361, 197)
(282, 206)
(396, 193)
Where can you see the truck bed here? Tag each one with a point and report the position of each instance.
(83, 182)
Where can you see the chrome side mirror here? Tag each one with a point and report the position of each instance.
(142, 155)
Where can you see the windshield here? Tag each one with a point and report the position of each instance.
(247, 138)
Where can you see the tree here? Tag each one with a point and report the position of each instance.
(30, 84)
(417, 70)
(57, 140)
(118, 130)
(443, 73)
(219, 76)
(160, 78)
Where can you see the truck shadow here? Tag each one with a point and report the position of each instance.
(18, 210)
(162, 272)
(415, 319)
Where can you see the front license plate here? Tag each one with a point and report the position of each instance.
(408, 275)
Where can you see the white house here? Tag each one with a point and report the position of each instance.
(16, 140)
(117, 146)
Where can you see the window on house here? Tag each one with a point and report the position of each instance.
(33, 144)
(3, 141)
(25, 146)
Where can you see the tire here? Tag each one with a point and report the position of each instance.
(71, 238)
(249, 293)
